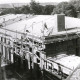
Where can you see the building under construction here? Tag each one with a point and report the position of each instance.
(43, 44)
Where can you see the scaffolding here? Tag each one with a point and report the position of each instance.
(45, 64)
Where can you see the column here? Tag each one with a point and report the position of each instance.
(2, 47)
(9, 54)
(0, 65)
(5, 53)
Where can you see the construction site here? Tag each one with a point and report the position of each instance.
(39, 47)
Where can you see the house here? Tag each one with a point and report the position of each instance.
(43, 36)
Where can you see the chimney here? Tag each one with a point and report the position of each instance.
(60, 22)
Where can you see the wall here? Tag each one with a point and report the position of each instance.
(66, 47)
(78, 47)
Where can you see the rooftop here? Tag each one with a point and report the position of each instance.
(36, 24)
(8, 17)
(68, 63)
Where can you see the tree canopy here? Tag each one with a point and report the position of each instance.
(71, 8)
(65, 8)
(48, 9)
(35, 8)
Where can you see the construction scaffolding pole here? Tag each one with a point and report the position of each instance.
(0, 67)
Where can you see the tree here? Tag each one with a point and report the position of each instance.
(70, 11)
(7, 11)
(60, 8)
(74, 0)
(48, 9)
(25, 9)
(35, 8)
(66, 8)
(76, 4)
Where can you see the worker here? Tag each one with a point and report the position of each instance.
(60, 72)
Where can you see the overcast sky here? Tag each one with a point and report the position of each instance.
(27, 1)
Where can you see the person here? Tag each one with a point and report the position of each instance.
(60, 72)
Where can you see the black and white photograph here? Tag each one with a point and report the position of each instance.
(39, 39)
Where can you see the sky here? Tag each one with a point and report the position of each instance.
(27, 1)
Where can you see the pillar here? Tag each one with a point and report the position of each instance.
(0, 67)
(6, 53)
(9, 54)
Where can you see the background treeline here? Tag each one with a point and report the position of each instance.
(32, 8)
(71, 8)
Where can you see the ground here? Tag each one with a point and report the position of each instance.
(9, 73)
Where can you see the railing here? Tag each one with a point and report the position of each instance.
(55, 68)
(49, 76)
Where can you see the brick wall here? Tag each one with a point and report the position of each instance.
(65, 47)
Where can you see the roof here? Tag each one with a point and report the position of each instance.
(68, 63)
(35, 25)
(8, 17)
(75, 75)
(72, 61)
